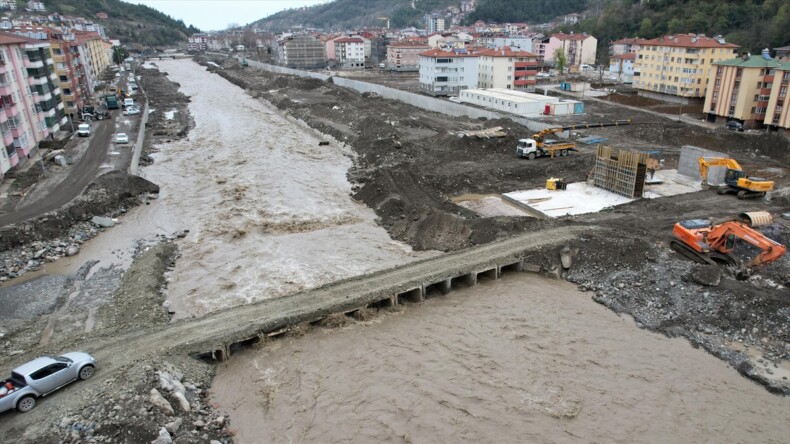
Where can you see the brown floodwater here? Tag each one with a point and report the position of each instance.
(521, 359)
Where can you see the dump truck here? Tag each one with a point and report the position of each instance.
(111, 100)
(539, 146)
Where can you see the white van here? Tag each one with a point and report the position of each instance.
(84, 130)
(586, 68)
(128, 102)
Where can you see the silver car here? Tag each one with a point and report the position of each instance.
(41, 377)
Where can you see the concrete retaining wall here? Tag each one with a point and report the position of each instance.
(688, 165)
(420, 101)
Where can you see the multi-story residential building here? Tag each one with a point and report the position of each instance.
(442, 41)
(579, 49)
(197, 42)
(678, 67)
(434, 24)
(624, 46)
(350, 52)
(783, 53)
(301, 51)
(405, 55)
(29, 100)
(468, 5)
(777, 115)
(741, 89)
(36, 6)
(507, 69)
(94, 53)
(7, 5)
(518, 42)
(446, 73)
(622, 65)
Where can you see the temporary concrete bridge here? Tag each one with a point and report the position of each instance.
(219, 333)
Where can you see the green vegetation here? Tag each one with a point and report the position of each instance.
(127, 22)
(531, 11)
(560, 60)
(350, 14)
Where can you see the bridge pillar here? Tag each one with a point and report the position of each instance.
(412, 295)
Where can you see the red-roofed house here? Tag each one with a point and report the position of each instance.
(506, 68)
(579, 49)
(678, 65)
(446, 73)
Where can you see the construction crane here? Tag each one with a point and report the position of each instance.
(386, 20)
(735, 180)
(706, 243)
(538, 146)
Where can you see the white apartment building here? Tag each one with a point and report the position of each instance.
(350, 52)
(447, 73)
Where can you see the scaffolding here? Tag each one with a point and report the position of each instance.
(622, 173)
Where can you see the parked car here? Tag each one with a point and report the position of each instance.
(121, 138)
(42, 376)
(542, 75)
(131, 110)
(734, 125)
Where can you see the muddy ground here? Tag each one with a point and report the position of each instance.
(411, 162)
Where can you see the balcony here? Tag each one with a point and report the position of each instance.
(11, 111)
(33, 64)
(8, 138)
(5, 89)
(37, 80)
(17, 132)
(13, 158)
(768, 79)
(765, 91)
(520, 73)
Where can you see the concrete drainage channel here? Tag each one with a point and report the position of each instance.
(409, 295)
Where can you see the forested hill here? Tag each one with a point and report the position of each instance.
(351, 14)
(753, 24)
(127, 22)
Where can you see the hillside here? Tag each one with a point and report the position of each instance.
(350, 14)
(127, 22)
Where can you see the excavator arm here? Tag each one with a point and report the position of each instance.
(722, 238)
(704, 164)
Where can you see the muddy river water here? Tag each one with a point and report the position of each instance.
(523, 359)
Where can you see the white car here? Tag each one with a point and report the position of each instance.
(131, 110)
(542, 75)
(121, 138)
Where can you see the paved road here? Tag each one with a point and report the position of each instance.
(82, 173)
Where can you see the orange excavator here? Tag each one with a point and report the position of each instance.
(706, 243)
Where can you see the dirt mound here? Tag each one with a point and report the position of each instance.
(107, 195)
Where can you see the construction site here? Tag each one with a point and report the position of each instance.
(557, 265)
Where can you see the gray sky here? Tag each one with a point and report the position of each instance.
(211, 15)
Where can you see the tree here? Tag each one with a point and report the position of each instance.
(560, 60)
(646, 28)
(119, 54)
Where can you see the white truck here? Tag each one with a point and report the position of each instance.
(41, 377)
(84, 130)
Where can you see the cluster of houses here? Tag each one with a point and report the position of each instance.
(50, 68)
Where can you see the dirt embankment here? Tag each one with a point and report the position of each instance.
(109, 194)
(169, 117)
(410, 162)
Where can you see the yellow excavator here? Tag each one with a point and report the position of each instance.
(735, 180)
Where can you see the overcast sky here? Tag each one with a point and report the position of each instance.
(209, 15)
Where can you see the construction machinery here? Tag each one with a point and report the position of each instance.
(735, 179)
(556, 184)
(539, 146)
(708, 243)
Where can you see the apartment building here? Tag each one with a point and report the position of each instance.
(777, 116)
(742, 88)
(579, 49)
(622, 65)
(506, 68)
(446, 73)
(302, 52)
(197, 42)
(94, 53)
(350, 52)
(625, 46)
(405, 55)
(434, 24)
(678, 67)
(29, 99)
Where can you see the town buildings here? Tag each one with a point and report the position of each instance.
(405, 55)
(30, 106)
(350, 52)
(622, 66)
(579, 49)
(197, 42)
(446, 73)
(301, 51)
(750, 90)
(506, 68)
(678, 67)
